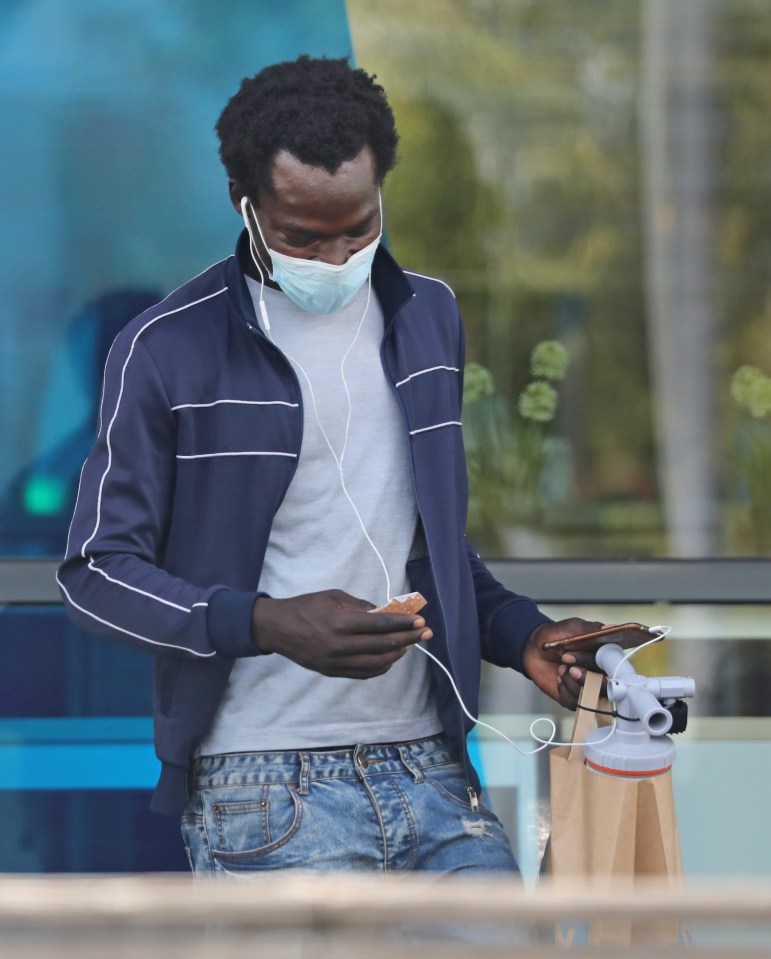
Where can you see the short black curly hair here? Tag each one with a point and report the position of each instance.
(322, 111)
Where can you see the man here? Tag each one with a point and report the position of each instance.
(280, 453)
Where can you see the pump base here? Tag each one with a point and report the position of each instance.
(625, 753)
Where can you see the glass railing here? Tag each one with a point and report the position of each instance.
(78, 761)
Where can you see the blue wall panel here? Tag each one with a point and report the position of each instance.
(113, 194)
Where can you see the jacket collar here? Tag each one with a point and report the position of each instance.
(236, 279)
(391, 286)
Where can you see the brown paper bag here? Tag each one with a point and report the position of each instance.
(610, 828)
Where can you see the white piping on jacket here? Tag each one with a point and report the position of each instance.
(197, 406)
(434, 278)
(120, 629)
(436, 426)
(120, 398)
(206, 456)
(431, 369)
(142, 592)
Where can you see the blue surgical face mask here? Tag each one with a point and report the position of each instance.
(318, 287)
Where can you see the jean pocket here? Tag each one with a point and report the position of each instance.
(250, 829)
(450, 782)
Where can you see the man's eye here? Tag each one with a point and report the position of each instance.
(300, 241)
(363, 230)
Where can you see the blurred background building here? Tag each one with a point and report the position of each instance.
(595, 175)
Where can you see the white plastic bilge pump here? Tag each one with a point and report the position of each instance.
(647, 709)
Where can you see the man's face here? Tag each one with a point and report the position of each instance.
(316, 215)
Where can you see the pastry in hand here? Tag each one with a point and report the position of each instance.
(409, 603)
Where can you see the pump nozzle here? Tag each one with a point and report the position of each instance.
(637, 746)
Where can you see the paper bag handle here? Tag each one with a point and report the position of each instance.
(584, 721)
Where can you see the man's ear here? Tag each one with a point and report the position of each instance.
(236, 195)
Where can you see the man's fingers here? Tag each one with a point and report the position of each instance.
(381, 632)
(571, 679)
(386, 622)
(333, 633)
(381, 643)
(582, 660)
(347, 602)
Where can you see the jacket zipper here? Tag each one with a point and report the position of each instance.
(389, 376)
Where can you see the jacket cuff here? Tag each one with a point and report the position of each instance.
(229, 622)
(516, 621)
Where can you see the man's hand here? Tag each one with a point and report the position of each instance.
(333, 633)
(560, 674)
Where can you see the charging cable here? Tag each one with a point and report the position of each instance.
(659, 633)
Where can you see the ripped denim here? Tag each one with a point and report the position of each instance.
(385, 808)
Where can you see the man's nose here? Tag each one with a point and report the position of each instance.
(338, 250)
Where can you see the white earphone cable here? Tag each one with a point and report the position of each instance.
(338, 459)
(660, 631)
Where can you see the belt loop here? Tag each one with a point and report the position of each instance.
(305, 773)
(416, 771)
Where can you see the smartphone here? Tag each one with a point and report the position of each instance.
(596, 638)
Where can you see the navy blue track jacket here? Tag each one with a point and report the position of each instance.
(199, 435)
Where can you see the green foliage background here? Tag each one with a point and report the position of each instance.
(519, 183)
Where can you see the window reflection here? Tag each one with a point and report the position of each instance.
(37, 503)
(590, 174)
(113, 195)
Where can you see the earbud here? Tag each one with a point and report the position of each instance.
(245, 201)
(264, 314)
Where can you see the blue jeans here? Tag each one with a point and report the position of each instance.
(384, 808)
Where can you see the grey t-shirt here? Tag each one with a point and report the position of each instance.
(317, 542)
